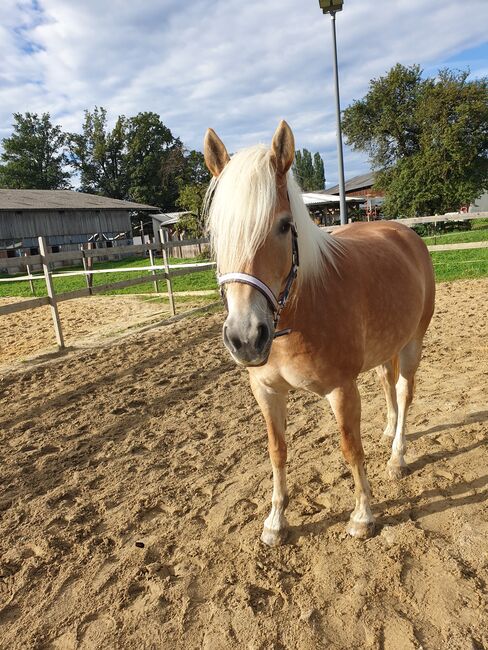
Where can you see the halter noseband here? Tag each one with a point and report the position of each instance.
(277, 304)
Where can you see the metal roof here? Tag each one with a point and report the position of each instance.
(64, 200)
(168, 218)
(355, 183)
(320, 198)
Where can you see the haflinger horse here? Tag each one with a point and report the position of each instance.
(361, 298)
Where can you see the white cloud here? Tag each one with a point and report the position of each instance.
(237, 66)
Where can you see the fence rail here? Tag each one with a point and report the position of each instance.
(154, 273)
(438, 218)
(45, 259)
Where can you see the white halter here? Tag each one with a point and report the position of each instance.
(277, 304)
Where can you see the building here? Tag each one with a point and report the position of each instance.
(66, 218)
(480, 205)
(358, 186)
(362, 186)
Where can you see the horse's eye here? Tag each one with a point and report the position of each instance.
(285, 226)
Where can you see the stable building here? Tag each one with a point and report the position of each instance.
(363, 186)
(66, 218)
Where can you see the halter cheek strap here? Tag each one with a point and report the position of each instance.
(277, 304)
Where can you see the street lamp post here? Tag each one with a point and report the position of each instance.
(332, 7)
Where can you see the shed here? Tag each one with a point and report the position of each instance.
(65, 217)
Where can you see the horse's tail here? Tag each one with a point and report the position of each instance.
(395, 362)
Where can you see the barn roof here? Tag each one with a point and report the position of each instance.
(355, 183)
(64, 200)
(321, 198)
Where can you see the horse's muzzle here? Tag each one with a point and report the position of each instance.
(248, 343)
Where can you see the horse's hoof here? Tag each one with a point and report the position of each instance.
(360, 529)
(396, 472)
(274, 537)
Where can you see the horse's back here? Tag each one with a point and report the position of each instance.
(389, 246)
(388, 268)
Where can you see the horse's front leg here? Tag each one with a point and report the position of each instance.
(346, 405)
(273, 406)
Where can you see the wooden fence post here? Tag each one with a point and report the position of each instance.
(164, 239)
(51, 293)
(28, 268)
(153, 272)
(87, 265)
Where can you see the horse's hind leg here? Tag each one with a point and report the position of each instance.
(388, 375)
(273, 406)
(409, 359)
(346, 405)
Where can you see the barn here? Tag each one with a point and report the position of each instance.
(66, 218)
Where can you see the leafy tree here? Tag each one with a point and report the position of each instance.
(426, 137)
(99, 155)
(139, 159)
(155, 160)
(193, 185)
(34, 155)
(309, 172)
(318, 172)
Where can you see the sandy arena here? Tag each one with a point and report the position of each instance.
(135, 481)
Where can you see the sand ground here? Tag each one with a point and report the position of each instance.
(135, 481)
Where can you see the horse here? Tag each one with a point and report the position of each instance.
(311, 310)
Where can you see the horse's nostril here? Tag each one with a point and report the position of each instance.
(233, 341)
(263, 336)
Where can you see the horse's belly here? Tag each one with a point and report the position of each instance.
(383, 343)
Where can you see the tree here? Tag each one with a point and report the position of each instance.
(155, 160)
(426, 137)
(318, 172)
(309, 172)
(34, 155)
(139, 159)
(99, 155)
(193, 186)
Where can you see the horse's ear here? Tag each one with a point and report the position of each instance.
(215, 153)
(283, 147)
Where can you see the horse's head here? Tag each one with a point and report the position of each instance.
(252, 232)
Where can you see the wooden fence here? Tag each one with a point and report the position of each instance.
(158, 273)
(45, 259)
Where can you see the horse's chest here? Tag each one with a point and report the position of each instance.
(307, 373)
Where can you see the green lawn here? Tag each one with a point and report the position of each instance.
(478, 234)
(457, 265)
(193, 282)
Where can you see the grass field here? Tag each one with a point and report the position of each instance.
(457, 265)
(193, 282)
(449, 265)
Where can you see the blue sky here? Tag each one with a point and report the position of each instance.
(237, 66)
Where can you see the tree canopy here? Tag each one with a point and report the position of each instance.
(34, 155)
(426, 137)
(309, 171)
(193, 186)
(139, 159)
(99, 155)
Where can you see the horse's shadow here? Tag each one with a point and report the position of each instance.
(415, 506)
(477, 416)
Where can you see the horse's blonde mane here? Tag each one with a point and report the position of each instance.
(240, 205)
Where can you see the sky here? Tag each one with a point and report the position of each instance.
(239, 66)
